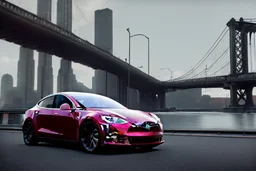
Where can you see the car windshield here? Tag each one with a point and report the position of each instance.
(96, 101)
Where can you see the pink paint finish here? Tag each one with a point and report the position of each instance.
(65, 124)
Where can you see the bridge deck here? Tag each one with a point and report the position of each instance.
(24, 28)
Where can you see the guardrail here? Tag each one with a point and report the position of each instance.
(177, 122)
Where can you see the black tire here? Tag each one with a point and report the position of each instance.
(90, 137)
(29, 137)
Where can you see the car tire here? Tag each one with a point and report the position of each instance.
(90, 137)
(29, 137)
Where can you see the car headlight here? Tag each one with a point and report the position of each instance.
(111, 119)
(156, 118)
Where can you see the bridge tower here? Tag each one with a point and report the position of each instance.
(240, 93)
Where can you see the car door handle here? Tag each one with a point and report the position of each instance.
(56, 113)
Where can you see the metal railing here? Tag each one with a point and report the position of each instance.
(217, 79)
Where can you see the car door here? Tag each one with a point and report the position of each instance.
(44, 122)
(65, 123)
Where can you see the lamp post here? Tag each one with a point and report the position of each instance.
(169, 71)
(129, 68)
(129, 60)
(143, 35)
(148, 48)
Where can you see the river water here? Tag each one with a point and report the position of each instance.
(208, 121)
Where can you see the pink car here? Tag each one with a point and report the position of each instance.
(91, 120)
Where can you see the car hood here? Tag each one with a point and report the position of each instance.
(132, 116)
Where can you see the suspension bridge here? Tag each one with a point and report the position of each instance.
(229, 63)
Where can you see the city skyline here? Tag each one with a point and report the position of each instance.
(26, 91)
(138, 50)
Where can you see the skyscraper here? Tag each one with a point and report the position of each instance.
(104, 29)
(64, 20)
(6, 85)
(45, 70)
(105, 83)
(26, 70)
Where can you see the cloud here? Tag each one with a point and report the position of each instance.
(84, 10)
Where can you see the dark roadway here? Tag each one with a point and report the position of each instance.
(188, 153)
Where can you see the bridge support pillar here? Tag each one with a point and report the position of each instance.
(148, 100)
(143, 100)
(162, 99)
(123, 92)
(154, 104)
(241, 97)
(240, 94)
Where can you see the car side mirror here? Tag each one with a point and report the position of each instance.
(65, 106)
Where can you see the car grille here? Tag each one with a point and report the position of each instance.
(154, 127)
(140, 140)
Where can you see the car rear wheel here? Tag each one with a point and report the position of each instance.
(28, 134)
(90, 137)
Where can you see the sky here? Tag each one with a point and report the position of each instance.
(180, 33)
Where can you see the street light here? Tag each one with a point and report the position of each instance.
(130, 36)
(170, 72)
(129, 68)
(129, 60)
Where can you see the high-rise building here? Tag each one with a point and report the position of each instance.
(104, 29)
(6, 85)
(26, 70)
(105, 83)
(45, 70)
(64, 20)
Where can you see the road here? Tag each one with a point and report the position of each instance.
(188, 153)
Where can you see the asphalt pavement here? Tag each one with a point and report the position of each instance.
(188, 153)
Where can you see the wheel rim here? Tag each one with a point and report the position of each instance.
(90, 137)
(28, 133)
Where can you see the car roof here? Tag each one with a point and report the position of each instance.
(70, 93)
(82, 94)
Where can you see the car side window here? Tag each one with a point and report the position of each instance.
(47, 103)
(60, 99)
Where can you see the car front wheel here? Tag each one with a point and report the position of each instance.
(90, 137)
(28, 134)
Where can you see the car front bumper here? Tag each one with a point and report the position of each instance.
(130, 135)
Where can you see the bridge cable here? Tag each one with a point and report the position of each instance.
(207, 54)
(215, 44)
(211, 66)
(220, 69)
(217, 59)
(205, 59)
